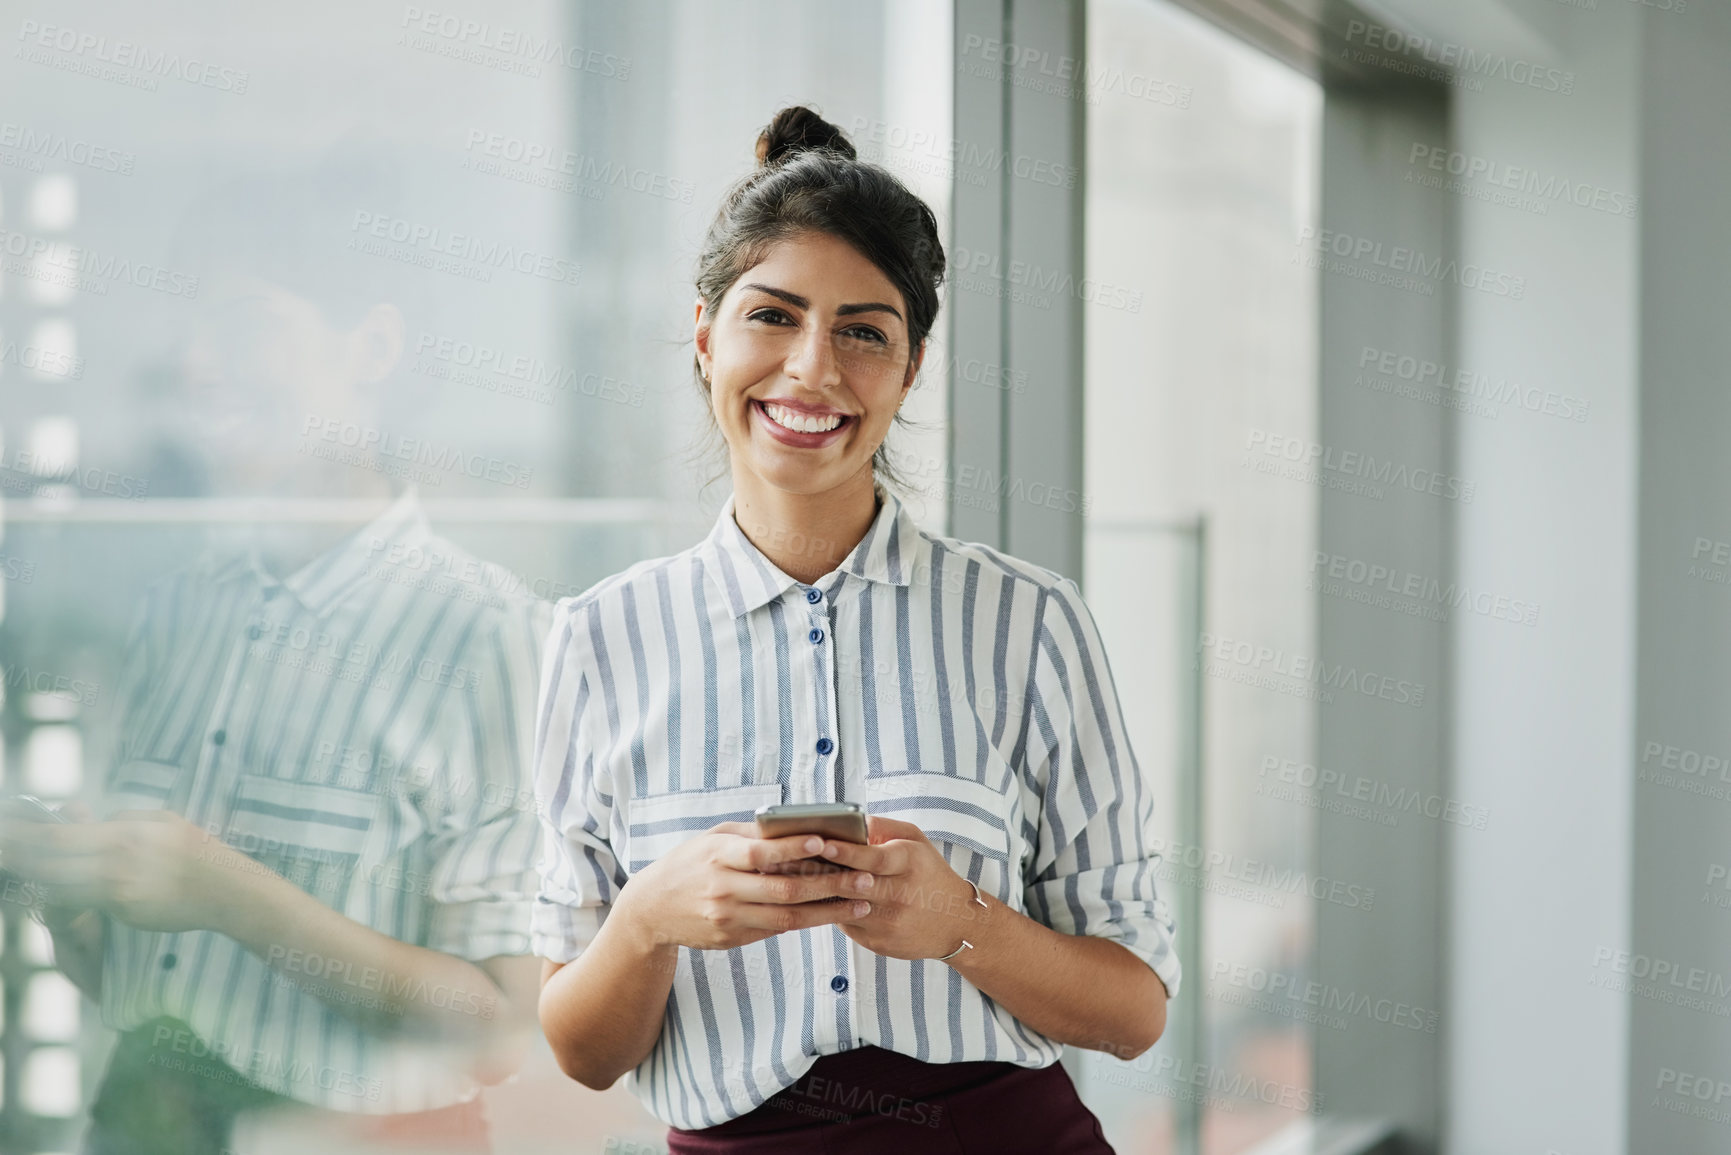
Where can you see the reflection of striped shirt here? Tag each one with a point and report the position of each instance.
(935, 681)
(359, 728)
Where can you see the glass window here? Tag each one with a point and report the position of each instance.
(266, 273)
(1194, 193)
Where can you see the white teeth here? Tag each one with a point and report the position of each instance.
(800, 422)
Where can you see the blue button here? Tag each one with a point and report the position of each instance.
(255, 632)
(814, 596)
(219, 737)
(816, 637)
(169, 960)
(824, 745)
(838, 984)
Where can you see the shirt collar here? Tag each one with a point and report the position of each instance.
(323, 582)
(748, 579)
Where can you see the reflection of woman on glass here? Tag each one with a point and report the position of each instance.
(818, 646)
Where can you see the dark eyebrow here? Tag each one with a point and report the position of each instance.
(800, 302)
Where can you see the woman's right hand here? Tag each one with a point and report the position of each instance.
(708, 893)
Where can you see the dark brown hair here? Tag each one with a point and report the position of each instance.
(809, 179)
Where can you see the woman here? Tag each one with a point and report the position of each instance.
(817, 647)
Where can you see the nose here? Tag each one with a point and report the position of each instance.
(813, 361)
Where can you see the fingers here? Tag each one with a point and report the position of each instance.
(68, 859)
(785, 889)
(24, 845)
(754, 854)
(59, 866)
(890, 850)
(71, 883)
(881, 830)
(148, 816)
(60, 918)
(802, 866)
(53, 838)
(888, 858)
(778, 918)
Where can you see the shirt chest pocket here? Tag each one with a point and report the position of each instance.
(140, 785)
(968, 821)
(660, 822)
(313, 835)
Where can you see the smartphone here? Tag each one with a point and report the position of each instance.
(29, 808)
(842, 821)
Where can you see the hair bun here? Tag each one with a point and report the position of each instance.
(798, 129)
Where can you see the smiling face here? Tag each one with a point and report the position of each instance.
(807, 356)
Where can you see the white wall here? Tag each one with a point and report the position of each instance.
(1543, 717)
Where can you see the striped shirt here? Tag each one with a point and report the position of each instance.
(360, 728)
(935, 681)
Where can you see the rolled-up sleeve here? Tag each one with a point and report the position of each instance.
(483, 884)
(1093, 870)
(580, 875)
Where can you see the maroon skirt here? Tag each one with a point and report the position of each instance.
(870, 1100)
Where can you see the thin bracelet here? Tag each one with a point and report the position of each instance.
(966, 945)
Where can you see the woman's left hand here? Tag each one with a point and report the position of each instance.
(920, 907)
(151, 869)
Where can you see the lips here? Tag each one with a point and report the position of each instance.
(806, 438)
